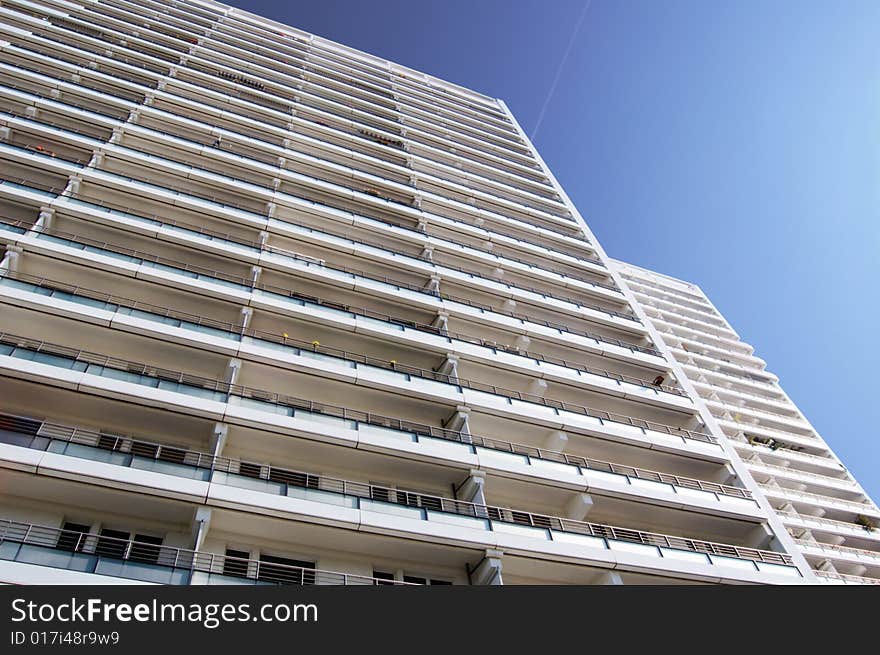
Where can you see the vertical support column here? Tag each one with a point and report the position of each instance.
(218, 439)
(472, 490)
(609, 578)
(11, 260)
(556, 441)
(459, 421)
(488, 570)
(200, 525)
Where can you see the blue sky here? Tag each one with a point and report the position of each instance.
(732, 144)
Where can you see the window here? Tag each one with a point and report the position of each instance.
(380, 493)
(426, 581)
(112, 543)
(235, 563)
(169, 454)
(145, 549)
(282, 570)
(143, 449)
(294, 479)
(72, 537)
(383, 578)
(249, 470)
(107, 442)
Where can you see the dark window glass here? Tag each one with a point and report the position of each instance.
(144, 449)
(383, 578)
(145, 548)
(235, 563)
(72, 537)
(294, 478)
(112, 543)
(169, 454)
(108, 442)
(380, 493)
(286, 571)
(249, 470)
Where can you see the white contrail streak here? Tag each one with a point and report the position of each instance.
(577, 28)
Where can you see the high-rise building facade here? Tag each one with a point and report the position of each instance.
(831, 519)
(273, 310)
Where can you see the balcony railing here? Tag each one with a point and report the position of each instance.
(845, 578)
(834, 549)
(272, 148)
(795, 472)
(82, 360)
(188, 191)
(831, 523)
(100, 555)
(784, 451)
(100, 204)
(495, 230)
(234, 331)
(32, 427)
(138, 256)
(711, 371)
(246, 160)
(309, 486)
(146, 61)
(111, 75)
(770, 416)
(854, 505)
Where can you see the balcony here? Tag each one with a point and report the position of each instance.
(501, 459)
(102, 556)
(842, 578)
(577, 418)
(465, 314)
(820, 500)
(224, 168)
(238, 127)
(473, 372)
(828, 525)
(275, 300)
(450, 519)
(844, 553)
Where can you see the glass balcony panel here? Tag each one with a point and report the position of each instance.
(142, 571)
(170, 468)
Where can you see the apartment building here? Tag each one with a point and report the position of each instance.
(831, 519)
(276, 311)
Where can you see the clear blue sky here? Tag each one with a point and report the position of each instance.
(732, 144)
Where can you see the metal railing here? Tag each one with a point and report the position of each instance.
(189, 191)
(826, 479)
(100, 203)
(428, 503)
(237, 331)
(785, 451)
(577, 237)
(857, 579)
(425, 140)
(771, 416)
(286, 292)
(184, 455)
(825, 521)
(834, 548)
(85, 546)
(856, 505)
(104, 91)
(82, 356)
(726, 373)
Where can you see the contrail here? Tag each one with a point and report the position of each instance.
(577, 28)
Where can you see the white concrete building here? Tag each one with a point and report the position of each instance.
(831, 519)
(275, 310)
